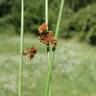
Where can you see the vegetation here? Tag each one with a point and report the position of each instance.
(83, 22)
(78, 17)
(74, 71)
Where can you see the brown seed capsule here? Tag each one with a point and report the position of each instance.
(48, 38)
(30, 52)
(43, 28)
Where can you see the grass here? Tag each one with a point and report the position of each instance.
(74, 70)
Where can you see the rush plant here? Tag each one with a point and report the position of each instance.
(48, 38)
(51, 51)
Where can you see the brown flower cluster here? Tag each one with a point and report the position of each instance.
(43, 28)
(47, 37)
(30, 52)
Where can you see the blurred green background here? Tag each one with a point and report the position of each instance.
(78, 17)
(74, 70)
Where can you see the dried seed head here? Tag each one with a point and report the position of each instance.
(48, 38)
(30, 52)
(43, 27)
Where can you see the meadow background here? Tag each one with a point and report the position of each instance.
(74, 70)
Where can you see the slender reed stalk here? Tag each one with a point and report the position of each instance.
(51, 60)
(48, 83)
(46, 11)
(58, 26)
(21, 48)
(59, 19)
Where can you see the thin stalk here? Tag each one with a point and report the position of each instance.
(59, 19)
(51, 60)
(57, 29)
(53, 53)
(21, 48)
(46, 11)
(48, 83)
(58, 26)
(56, 36)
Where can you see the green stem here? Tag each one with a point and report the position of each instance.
(46, 11)
(47, 89)
(58, 27)
(56, 35)
(59, 18)
(48, 84)
(21, 47)
(51, 60)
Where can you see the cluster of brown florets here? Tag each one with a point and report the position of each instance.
(47, 37)
(30, 52)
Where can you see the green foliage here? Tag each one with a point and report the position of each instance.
(83, 22)
(34, 13)
(74, 70)
(76, 5)
(78, 17)
(5, 7)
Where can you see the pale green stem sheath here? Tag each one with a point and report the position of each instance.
(21, 48)
(48, 85)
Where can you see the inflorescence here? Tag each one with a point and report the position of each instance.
(46, 37)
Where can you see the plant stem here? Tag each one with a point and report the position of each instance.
(21, 47)
(51, 60)
(58, 26)
(46, 11)
(57, 29)
(47, 89)
(48, 85)
(59, 19)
